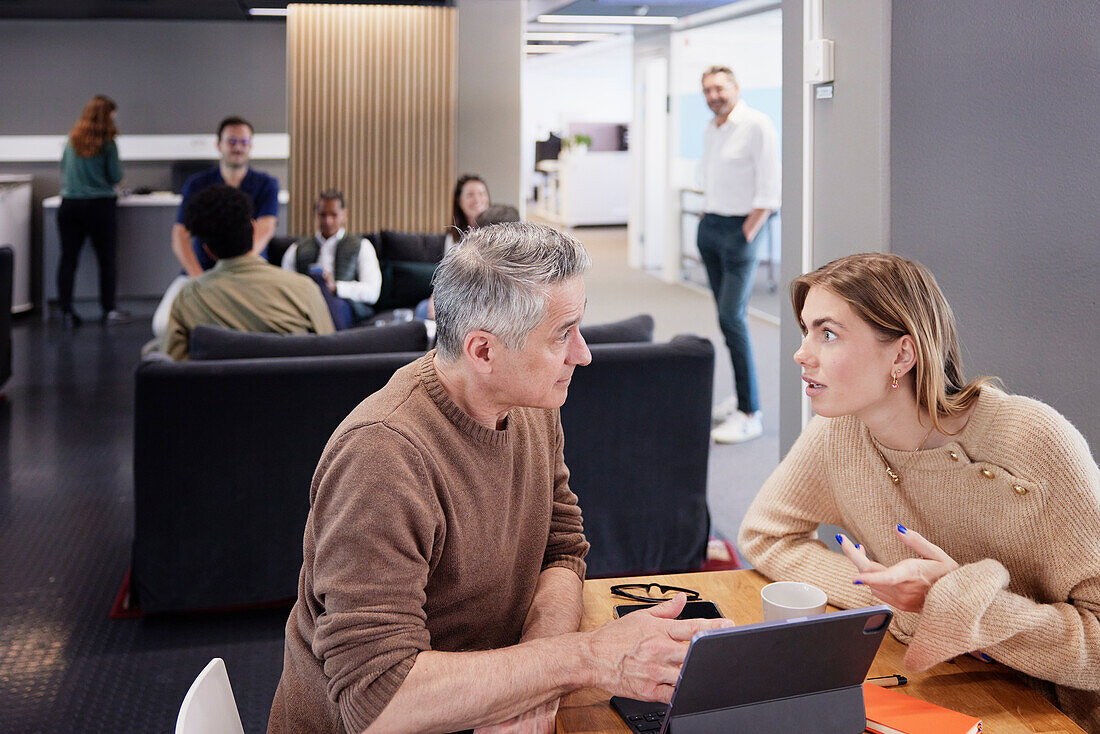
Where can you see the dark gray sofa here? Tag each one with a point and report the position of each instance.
(7, 266)
(224, 452)
(407, 261)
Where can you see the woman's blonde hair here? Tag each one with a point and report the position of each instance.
(898, 297)
(95, 128)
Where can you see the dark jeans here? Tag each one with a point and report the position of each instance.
(338, 308)
(731, 263)
(77, 220)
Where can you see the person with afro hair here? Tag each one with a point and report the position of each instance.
(221, 217)
(242, 291)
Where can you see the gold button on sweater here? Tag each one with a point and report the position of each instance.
(1014, 499)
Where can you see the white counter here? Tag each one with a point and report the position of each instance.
(156, 198)
(15, 230)
(145, 261)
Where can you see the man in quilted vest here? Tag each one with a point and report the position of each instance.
(346, 264)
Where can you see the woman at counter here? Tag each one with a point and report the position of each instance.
(90, 169)
(974, 513)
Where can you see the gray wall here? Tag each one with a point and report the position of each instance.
(490, 68)
(168, 77)
(790, 410)
(851, 134)
(995, 179)
(851, 207)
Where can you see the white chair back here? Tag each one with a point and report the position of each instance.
(209, 707)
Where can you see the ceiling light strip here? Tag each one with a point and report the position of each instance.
(610, 19)
(546, 48)
(567, 36)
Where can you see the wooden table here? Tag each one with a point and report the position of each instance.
(993, 692)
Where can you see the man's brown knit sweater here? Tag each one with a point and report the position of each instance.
(426, 531)
(1014, 499)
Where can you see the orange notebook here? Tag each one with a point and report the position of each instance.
(892, 712)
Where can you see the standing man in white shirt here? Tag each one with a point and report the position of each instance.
(740, 177)
(348, 263)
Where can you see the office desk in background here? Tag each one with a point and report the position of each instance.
(581, 189)
(146, 264)
(997, 694)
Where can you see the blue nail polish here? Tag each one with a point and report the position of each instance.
(857, 546)
(839, 539)
(901, 528)
(986, 657)
(858, 582)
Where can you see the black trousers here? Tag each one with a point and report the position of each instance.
(80, 219)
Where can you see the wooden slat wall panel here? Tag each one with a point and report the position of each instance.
(371, 97)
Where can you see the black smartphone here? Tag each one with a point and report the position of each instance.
(692, 610)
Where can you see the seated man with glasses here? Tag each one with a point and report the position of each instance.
(234, 148)
(444, 550)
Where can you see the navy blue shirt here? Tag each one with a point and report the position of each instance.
(261, 187)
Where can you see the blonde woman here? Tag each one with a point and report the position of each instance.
(974, 513)
(90, 168)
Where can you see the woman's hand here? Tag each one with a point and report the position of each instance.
(904, 585)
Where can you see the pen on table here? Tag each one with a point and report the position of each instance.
(889, 680)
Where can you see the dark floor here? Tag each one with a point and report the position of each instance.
(66, 523)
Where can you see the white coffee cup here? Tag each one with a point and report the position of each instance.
(791, 599)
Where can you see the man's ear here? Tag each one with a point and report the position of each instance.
(480, 349)
(906, 356)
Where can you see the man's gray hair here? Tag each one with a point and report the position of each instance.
(497, 280)
(717, 69)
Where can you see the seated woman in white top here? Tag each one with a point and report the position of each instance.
(471, 198)
(973, 513)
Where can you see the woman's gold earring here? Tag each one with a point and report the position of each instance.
(894, 382)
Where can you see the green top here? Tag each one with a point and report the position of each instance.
(91, 177)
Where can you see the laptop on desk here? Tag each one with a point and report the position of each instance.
(802, 674)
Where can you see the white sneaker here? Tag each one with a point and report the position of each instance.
(724, 409)
(739, 428)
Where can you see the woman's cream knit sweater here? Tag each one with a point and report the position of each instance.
(1014, 499)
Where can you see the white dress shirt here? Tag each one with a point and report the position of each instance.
(740, 165)
(366, 289)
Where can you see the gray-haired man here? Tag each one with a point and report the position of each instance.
(441, 585)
